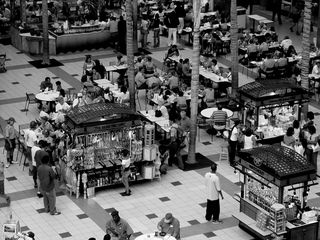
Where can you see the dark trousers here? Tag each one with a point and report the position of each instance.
(277, 11)
(213, 210)
(232, 151)
(49, 201)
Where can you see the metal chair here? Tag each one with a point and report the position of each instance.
(31, 99)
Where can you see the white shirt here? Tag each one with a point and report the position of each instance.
(315, 70)
(78, 102)
(248, 142)
(286, 43)
(64, 107)
(34, 149)
(234, 133)
(164, 112)
(212, 183)
(30, 137)
(125, 163)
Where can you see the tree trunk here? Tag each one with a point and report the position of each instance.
(45, 34)
(12, 9)
(306, 45)
(135, 25)
(234, 48)
(130, 53)
(23, 11)
(194, 82)
(318, 27)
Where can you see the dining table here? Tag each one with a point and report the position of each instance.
(161, 122)
(105, 83)
(115, 68)
(207, 113)
(152, 236)
(47, 96)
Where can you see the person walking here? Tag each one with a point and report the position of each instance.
(125, 171)
(277, 10)
(118, 228)
(213, 190)
(10, 141)
(47, 178)
(172, 22)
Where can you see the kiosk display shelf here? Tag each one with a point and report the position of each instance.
(269, 174)
(99, 132)
(271, 106)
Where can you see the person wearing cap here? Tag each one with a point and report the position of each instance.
(213, 190)
(30, 137)
(118, 227)
(46, 84)
(233, 141)
(170, 225)
(79, 101)
(10, 140)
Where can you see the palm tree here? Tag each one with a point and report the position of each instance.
(306, 45)
(130, 53)
(135, 25)
(194, 81)
(234, 47)
(318, 27)
(23, 11)
(45, 34)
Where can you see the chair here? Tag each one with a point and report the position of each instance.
(31, 99)
(202, 124)
(3, 63)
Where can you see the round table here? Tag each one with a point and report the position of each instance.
(151, 236)
(208, 112)
(47, 96)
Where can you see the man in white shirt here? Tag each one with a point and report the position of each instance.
(213, 190)
(30, 137)
(126, 171)
(34, 149)
(79, 101)
(286, 43)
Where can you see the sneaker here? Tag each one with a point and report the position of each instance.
(14, 162)
(39, 194)
(36, 186)
(7, 165)
(55, 213)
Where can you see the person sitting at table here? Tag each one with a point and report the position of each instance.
(268, 64)
(100, 68)
(79, 101)
(286, 43)
(207, 62)
(208, 94)
(173, 81)
(219, 118)
(264, 49)
(138, 64)
(181, 101)
(291, 52)
(154, 81)
(120, 60)
(252, 50)
(170, 225)
(162, 108)
(46, 84)
(45, 124)
(61, 105)
(186, 71)
(140, 80)
(262, 27)
(172, 51)
(150, 67)
(215, 68)
(316, 69)
(123, 97)
(282, 61)
(95, 74)
(59, 89)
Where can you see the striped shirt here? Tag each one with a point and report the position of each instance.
(219, 116)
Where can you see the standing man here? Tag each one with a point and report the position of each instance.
(10, 140)
(233, 142)
(122, 31)
(213, 189)
(170, 225)
(47, 178)
(30, 137)
(172, 22)
(181, 13)
(37, 159)
(277, 10)
(126, 171)
(118, 227)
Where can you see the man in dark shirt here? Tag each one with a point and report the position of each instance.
(47, 177)
(46, 84)
(172, 22)
(118, 227)
(122, 30)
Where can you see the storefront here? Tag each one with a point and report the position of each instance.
(275, 181)
(271, 106)
(98, 134)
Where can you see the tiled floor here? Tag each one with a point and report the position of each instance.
(179, 192)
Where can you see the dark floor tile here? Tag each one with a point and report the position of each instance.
(151, 216)
(12, 178)
(41, 210)
(28, 74)
(137, 234)
(194, 222)
(58, 194)
(206, 143)
(238, 183)
(203, 204)
(8, 59)
(316, 113)
(177, 183)
(318, 193)
(19, 52)
(2, 91)
(110, 210)
(65, 235)
(74, 75)
(164, 199)
(210, 234)
(24, 228)
(15, 83)
(55, 77)
(82, 216)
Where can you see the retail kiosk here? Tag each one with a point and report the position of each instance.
(274, 187)
(98, 134)
(270, 107)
